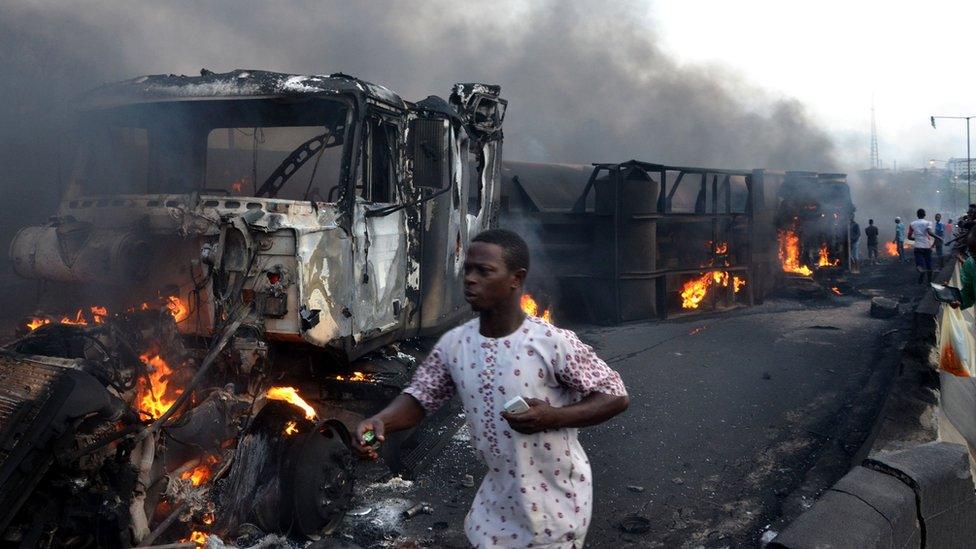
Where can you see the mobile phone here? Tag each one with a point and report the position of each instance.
(516, 406)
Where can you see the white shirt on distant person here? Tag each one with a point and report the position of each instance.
(920, 233)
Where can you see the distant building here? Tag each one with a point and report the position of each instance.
(958, 167)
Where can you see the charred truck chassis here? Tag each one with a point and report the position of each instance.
(299, 223)
(631, 241)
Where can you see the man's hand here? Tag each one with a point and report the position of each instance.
(539, 417)
(362, 450)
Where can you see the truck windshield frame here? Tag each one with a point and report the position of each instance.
(215, 146)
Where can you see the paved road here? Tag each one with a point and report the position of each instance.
(735, 420)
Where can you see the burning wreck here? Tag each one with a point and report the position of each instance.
(231, 254)
(813, 220)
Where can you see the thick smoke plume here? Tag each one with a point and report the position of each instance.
(587, 81)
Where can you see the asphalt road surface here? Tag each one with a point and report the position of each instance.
(736, 423)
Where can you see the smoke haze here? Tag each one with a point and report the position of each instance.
(587, 81)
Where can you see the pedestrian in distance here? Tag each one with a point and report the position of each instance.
(900, 239)
(538, 489)
(940, 232)
(871, 232)
(855, 246)
(921, 232)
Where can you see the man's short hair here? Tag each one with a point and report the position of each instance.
(515, 249)
(870, 222)
(920, 213)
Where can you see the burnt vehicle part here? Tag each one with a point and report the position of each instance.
(818, 208)
(294, 227)
(625, 241)
(341, 211)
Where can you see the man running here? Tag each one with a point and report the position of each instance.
(538, 490)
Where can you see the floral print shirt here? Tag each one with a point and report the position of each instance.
(538, 490)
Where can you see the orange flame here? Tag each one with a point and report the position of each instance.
(177, 308)
(290, 395)
(738, 284)
(201, 473)
(237, 186)
(291, 428)
(789, 253)
(531, 308)
(208, 518)
(722, 248)
(836, 290)
(356, 376)
(824, 260)
(198, 538)
(695, 290)
(36, 323)
(152, 395)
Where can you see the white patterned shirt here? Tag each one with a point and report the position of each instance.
(538, 491)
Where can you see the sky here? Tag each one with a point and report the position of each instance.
(834, 56)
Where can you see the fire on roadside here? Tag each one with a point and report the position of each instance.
(531, 308)
(290, 395)
(789, 253)
(836, 290)
(291, 428)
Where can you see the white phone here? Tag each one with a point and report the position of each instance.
(516, 406)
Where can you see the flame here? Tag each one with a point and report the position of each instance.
(836, 290)
(738, 284)
(237, 186)
(199, 538)
(356, 376)
(152, 396)
(36, 323)
(177, 308)
(531, 308)
(98, 315)
(290, 395)
(78, 320)
(201, 473)
(824, 260)
(722, 248)
(291, 428)
(694, 291)
(208, 518)
(789, 253)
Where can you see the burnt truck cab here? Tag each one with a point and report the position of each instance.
(818, 207)
(338, 212)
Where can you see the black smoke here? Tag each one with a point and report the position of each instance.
(587, 81)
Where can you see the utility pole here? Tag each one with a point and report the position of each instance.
(875, 158)
(969, 169)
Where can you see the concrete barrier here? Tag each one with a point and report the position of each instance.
(920, 497)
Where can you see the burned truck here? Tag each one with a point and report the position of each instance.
(227, 249)
(813, 221)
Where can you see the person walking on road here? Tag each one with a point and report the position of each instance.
(940, 232)
(900, 239)
(872, 233)
(855, 246)
(538, 490)
(921, 232)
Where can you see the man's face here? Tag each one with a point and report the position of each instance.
(938, 217)
(488, 282)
